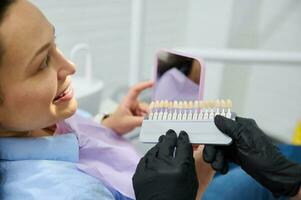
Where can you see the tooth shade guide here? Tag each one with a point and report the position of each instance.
(229, 106)
(166, 105)
(196, 104)
(189, 110)
(190, 105)
(189, 115)
(184, 115)
(217, 107)
(180, 105)
(151, 106)
(185, 104)
(169, 115)
(175, 108)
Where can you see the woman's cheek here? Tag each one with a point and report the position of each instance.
(47, 87)
(46, 95)
(26, 111)
(36, 99)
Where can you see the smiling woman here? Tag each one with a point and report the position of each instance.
(33, 59)
(38, 100)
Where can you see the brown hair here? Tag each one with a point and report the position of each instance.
(182, 63)
(4, 5)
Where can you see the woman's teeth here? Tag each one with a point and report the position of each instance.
(62, 94)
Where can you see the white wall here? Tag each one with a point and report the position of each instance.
(270, 94)
(164, 27)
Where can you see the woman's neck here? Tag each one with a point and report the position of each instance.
(14, 134)
(48, 131)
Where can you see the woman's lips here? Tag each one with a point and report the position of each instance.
(67, 95)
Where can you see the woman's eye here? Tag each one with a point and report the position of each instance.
(45, 62)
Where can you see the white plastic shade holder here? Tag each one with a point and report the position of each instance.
(196, 118)
(200, 132)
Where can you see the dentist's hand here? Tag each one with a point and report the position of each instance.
(163, 174)
(255, 153)
(130, 112)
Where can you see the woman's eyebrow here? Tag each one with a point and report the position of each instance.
(44, 47)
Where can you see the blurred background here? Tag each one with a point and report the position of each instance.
(252, 51)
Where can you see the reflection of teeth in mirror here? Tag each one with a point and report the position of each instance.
(229, 106)
(175, 114)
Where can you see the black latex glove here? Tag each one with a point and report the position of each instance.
(163, 174)
(255, 153)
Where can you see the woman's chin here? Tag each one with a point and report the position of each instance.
(69, 110)
(72, 107)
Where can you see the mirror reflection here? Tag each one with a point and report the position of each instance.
(177, 77)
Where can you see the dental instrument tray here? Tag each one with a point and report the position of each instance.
(195, 118)
(177, 101)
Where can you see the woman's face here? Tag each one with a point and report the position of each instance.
(34, 75)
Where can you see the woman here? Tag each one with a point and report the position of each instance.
(37, 99)
(37, 96)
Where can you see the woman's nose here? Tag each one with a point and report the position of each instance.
(66, 67)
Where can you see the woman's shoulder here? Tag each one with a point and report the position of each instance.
(49, 179)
